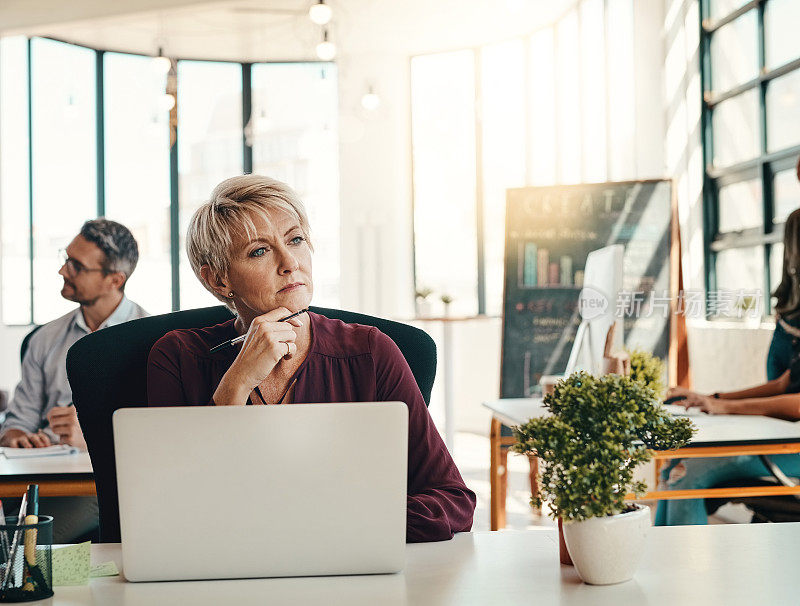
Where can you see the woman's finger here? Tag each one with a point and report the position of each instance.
(273, 315)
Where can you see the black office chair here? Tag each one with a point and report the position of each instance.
(778, 508)
(108, 370)
(26, 341)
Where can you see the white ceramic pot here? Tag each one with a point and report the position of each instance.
(607, 549)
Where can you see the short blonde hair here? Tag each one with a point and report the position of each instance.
(229, 213)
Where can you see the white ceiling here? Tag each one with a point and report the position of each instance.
(258, 30)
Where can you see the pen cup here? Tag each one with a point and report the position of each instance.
(26, 560)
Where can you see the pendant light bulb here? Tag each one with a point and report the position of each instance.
(320, 13)
(370, 101)
(326, 50)
(162, 64)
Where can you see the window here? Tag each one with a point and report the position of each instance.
(750, 67)
(64, 150)
(137, 171)
(14, 190)
(100, 144)
(209, 148)
(503, 138)
(552, 107)
(443, 135)
(293, 132)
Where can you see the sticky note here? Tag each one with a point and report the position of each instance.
(71, 564)
(106, 569)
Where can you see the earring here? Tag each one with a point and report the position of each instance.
(230, 295)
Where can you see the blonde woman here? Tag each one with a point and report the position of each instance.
(249, 245)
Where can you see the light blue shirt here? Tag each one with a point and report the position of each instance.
(44, 382)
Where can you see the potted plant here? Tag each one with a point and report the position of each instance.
(599, 430)
(648, 370)
(447, 300)
(423, 305)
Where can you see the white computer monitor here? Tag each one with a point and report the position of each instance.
(602, 283)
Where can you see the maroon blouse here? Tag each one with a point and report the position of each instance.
(345, 363)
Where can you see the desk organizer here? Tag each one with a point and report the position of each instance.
(26, 560)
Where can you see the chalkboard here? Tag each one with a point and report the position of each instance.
(549, 233)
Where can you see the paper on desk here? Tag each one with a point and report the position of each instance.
(49, 451)
(71, 564)
(106, 569)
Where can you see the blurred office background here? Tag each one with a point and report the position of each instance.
(401, 134)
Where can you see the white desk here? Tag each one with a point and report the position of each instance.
(686, 565)
(718, 435)
(57, 476)
(713, 430)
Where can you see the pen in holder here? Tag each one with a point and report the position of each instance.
(26, 560)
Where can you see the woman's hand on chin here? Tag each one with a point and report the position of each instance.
(267, 342)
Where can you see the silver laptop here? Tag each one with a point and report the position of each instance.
(262, 491)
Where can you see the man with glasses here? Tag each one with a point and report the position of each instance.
(96, 266)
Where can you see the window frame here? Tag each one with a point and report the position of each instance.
(762, 167)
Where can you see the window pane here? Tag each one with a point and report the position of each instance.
(621, 93)
(209, 148)
(569, 106)
(137, 135)
(780, 31)
(786, 193)
(16, 279)
(741, 268)
(503, 119)
(293, 130)
(723, 8)
(735, 123)
(593, 93)
(64, 162)
(734, 53)
(783, 102)
(542, 111)
(775, 266)
(740, 206)
(443, 134)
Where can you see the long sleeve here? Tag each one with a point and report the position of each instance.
(164, 381)
(439, 503)
(27, 406)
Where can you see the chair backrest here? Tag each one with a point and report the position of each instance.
(107, 370)
(26, 341)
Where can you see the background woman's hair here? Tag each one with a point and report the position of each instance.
(229, 213)
(788, 291)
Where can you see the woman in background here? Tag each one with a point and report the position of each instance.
(786, 338)
(779, 397)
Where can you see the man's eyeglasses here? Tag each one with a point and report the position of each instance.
(75, 267)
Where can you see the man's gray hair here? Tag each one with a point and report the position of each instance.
(117, 243)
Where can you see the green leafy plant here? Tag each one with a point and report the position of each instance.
(600, 430)
(648, 370)
(423, 293)
(446, 299)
